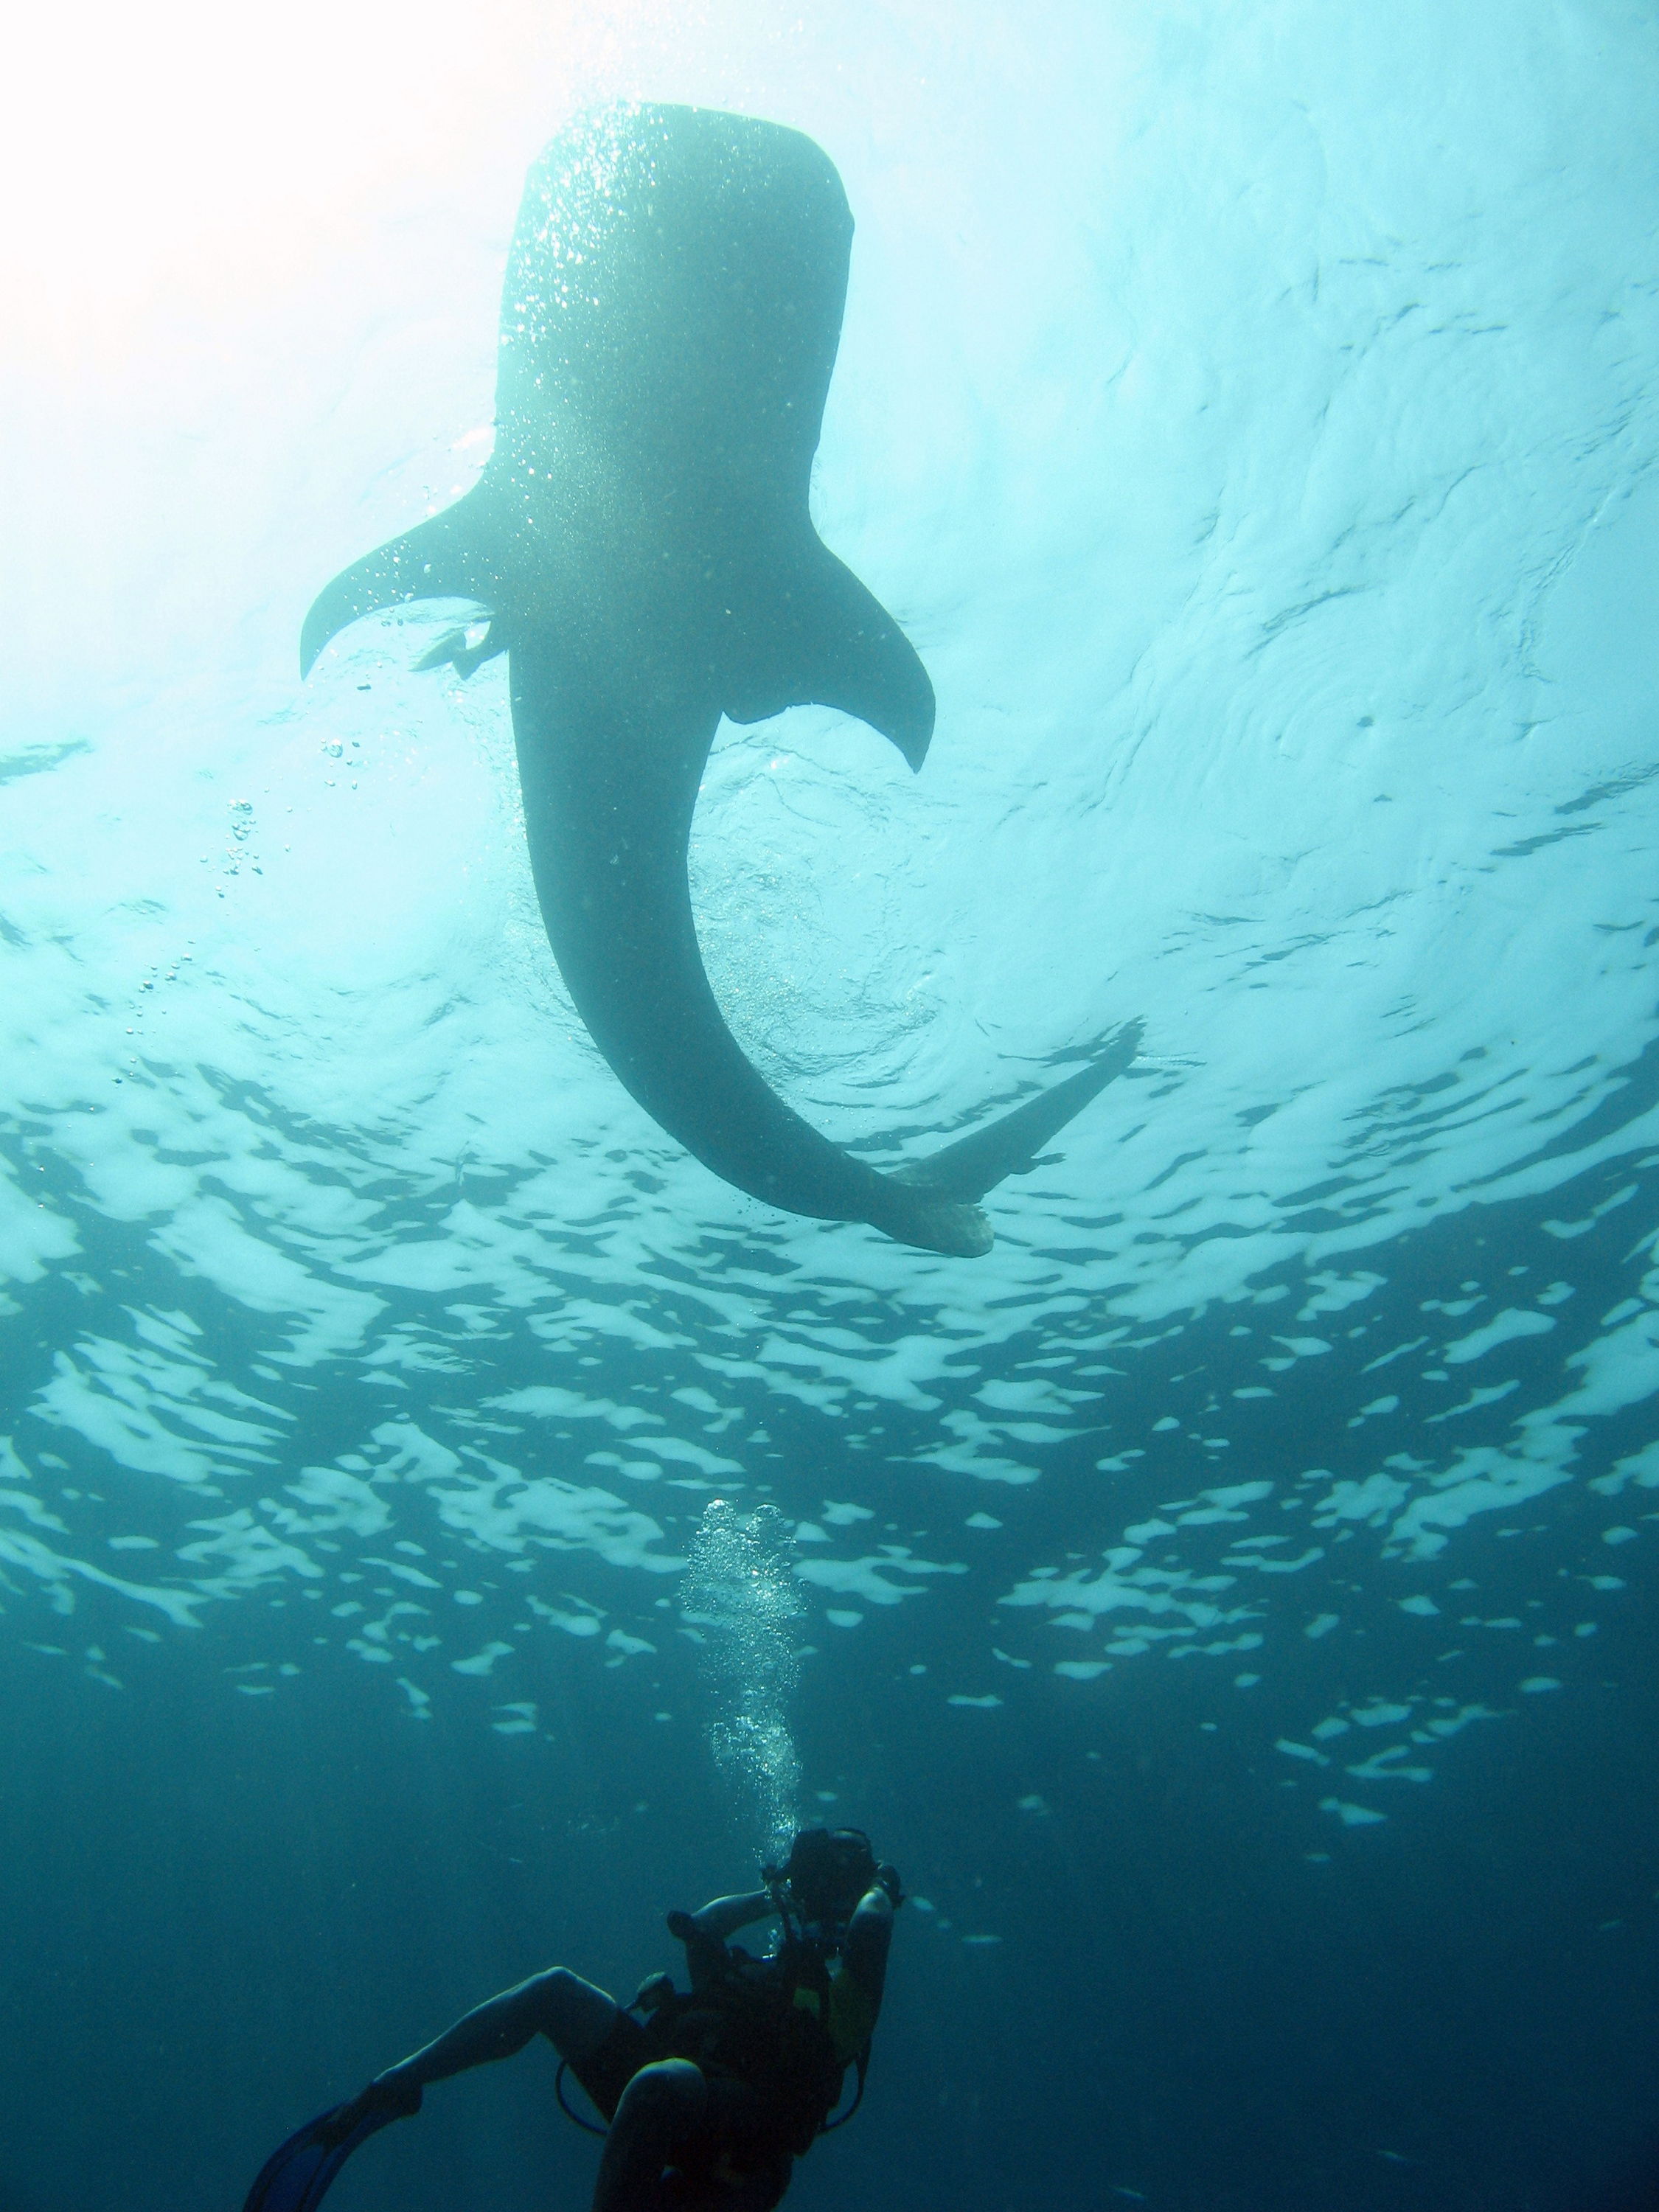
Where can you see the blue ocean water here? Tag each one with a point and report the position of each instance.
(1231, 1601)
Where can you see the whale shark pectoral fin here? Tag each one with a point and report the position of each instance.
(444, 558)
(820, 639)
(964, 1171)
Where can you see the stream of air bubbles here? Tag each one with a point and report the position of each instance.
(741, 1602)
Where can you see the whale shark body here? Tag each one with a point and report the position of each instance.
(640, 542)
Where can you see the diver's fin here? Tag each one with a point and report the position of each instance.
(295, 2178)
(442, 559)
(964, 1171)
(829, 642)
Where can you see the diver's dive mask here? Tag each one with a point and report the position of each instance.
(827, 1872)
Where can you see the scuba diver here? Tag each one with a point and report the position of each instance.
(710, 2095)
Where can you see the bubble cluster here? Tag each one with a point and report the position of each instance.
(740, 1599)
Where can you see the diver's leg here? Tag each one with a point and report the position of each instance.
(573, 2016)
(660, 2108)
(577, 2018)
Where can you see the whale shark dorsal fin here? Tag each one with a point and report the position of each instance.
(445, 558)
(818, 638)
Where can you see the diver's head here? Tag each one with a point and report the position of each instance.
(827, 1870)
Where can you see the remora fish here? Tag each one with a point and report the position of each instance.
(640, 541)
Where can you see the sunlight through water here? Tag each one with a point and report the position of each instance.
(1256, 457)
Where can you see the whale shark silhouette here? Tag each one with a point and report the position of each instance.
(640, 542)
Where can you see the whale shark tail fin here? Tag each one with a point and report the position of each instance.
(964, 1171)
(440, 559)
(819, 639)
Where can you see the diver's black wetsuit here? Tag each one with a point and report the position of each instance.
(686, 2129)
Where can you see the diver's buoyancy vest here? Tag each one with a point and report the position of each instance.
(767, 2023)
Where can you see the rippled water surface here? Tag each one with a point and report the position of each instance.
(1230, 1599)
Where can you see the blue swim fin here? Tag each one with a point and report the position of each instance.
(296, 2177)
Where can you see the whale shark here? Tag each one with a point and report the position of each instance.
(640, 545)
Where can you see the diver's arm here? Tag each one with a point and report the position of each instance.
(723, 1916)
(864, 1954)
(704, 1933)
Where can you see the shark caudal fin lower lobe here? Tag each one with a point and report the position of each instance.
(964, 1171)
(930, 1224)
